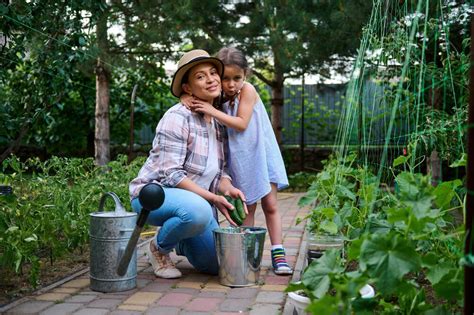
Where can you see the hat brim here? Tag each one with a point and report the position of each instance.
(176, 88)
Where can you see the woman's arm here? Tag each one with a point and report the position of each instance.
(248, 98)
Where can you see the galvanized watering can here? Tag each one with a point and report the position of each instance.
(113, 239)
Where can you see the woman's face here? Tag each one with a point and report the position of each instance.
(233, 80)
(204, 82)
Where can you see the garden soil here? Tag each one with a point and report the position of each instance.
(15, 286)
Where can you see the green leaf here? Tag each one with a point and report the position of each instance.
(307, 199)
(345, 192)
(353, 250)
(32, 238)
(316, 276)
(388, 258)
(407, 184)
(445, 192)
(461, 162)
(328, 212)
(400, 160)
(328, 305)
(450, 286)
(329, 227)
(437, 272)
(3, 9)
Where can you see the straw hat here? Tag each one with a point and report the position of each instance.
(189, 60)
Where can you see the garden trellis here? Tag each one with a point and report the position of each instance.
(407, 91)
(398, 196)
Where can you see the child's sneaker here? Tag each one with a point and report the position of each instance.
(162, 264)
(280, 266)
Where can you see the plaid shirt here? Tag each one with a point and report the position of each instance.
(180, 150)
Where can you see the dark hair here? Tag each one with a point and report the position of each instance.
(233, 56)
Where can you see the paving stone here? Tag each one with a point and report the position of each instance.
(190, 284)
(274, 287)
(175, 299)
(282, 280)
(195, 313)
(115, 296)
(61, 309)
(77, 283)
(30, 307)
(197, 277)
(203, 304)
(242, 293)
(125, 312)
(163, 310)
(143, 298)
(54, 297)
(65, 290)
(105, 303)
(185, 290)
(143, 283)
(132, 307)
(91, 311)
(159, 287)
(271, 297)
(211, 294)
(80, 298)
(236, 305)
(267, 309)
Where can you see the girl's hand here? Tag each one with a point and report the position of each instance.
(203, 107)
(224, 206)
(186, 100)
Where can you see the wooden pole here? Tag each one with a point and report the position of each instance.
(132, 109)
(468, 246)
(302, 130)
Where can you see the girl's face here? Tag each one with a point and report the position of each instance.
(204, 82)
(233, 80)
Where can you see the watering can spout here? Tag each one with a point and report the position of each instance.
(151, 197)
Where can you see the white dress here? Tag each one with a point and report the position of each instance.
(254, 158)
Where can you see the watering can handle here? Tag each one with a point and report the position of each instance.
(118, 205)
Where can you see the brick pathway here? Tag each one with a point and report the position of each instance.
(194, 293)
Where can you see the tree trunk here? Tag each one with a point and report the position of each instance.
(277, 105)
(102, 133)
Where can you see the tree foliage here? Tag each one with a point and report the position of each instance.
(52, 49)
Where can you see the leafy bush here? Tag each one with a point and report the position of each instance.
(301, 181)
(405, 243)
(48, 214)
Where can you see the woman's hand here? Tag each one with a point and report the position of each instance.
(224, 207)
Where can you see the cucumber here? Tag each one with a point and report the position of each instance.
(235, 214)
(239, 206)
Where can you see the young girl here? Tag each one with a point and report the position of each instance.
(254, 159)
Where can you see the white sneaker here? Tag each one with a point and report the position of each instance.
(162, 264)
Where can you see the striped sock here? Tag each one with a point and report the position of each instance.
(280, 266)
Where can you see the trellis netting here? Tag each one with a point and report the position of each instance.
(408, 92)
(396, 190)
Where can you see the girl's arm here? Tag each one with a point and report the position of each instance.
(248, 98)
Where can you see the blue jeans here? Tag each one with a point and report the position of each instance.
(187, 222)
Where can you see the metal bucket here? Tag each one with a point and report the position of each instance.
(239, 254)
(109, 234)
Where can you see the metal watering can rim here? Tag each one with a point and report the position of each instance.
(119, 208)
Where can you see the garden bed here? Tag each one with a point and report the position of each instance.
(16, 286)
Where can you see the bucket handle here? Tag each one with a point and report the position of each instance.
(118, 205)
